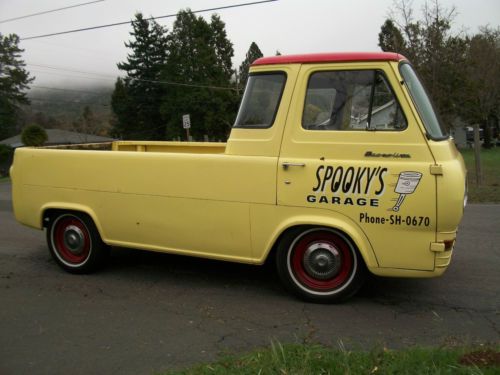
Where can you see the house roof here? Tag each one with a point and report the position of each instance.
(329, 57)
(58, 136)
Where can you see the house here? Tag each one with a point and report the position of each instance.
(59, 137)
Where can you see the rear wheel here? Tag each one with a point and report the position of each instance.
(320, 264)
(74, 242)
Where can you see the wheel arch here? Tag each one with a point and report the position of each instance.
(344, 226)
(50, 209)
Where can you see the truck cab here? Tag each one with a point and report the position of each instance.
(359, 146)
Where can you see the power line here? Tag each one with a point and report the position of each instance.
(147, 19)
(50, 11)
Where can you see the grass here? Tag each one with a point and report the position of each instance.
(489, 191)
(4, 179)
(315, 359)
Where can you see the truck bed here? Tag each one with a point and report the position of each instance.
(177, 147)
(150, 146)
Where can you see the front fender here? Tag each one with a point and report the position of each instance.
(322, 218)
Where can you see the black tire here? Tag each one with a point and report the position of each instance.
(74, 242)
(319, 264)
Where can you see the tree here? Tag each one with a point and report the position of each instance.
(253, 54)
(124, 120)
(14, 80)
(482, 95)
(88, 124)
(137, 97)
(461, 73)
(220, 117)
(437, 54)
(199, 72)
(34, 135)
(390, 38)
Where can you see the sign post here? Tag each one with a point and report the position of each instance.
(186, 124)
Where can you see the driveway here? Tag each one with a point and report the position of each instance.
(149, 312)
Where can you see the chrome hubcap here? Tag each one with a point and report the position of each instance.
(74, 239)
(322, 261)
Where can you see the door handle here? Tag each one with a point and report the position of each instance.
(286, 165)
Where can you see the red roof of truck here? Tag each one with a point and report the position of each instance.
(329, 57)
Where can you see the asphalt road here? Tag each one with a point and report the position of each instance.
(149, 312)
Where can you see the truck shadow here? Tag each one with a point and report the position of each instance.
(192, 271)
(178, 269)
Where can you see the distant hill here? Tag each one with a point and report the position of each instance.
(64, 108)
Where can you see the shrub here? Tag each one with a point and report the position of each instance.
(34, 135)
(6, 153)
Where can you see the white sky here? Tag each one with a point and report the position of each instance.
(290, 26)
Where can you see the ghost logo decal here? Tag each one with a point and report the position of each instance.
(407, 184)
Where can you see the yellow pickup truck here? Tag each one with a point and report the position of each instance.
(337, 164)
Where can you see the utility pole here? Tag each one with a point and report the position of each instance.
(477, 155)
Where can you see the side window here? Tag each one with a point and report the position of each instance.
(261, 100)
(351, 100)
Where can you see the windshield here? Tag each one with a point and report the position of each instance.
(423, 103)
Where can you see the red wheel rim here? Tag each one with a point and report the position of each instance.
(342, 255)
(71, 240)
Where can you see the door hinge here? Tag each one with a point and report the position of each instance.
(437, 170)
(437, 247)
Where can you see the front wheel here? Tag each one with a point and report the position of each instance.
(74, 242)
(320, 264)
